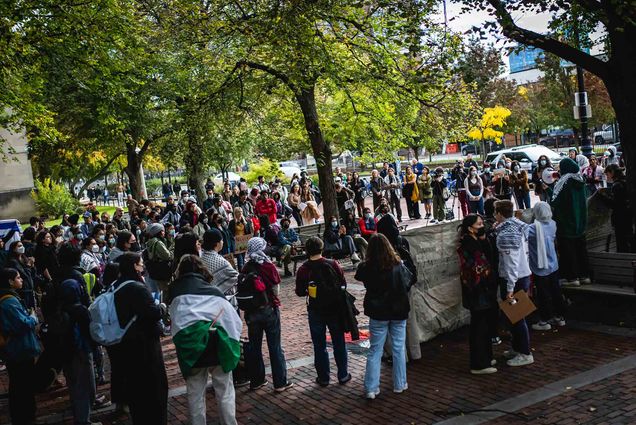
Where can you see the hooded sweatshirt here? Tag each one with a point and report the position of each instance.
(569, 204)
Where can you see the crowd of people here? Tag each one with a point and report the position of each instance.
(191, 269)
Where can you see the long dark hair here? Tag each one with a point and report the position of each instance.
(380, 253)
(466, 224)
(193, 264)
(122, 238)
(127, 262)
(6, 275)
(185, 244)
(111, 273)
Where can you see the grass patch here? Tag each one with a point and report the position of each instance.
(57, 220)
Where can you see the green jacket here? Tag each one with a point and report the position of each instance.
(569, 208)
(157, 250)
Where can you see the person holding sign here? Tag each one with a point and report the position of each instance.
(512, 243)
(240, 228)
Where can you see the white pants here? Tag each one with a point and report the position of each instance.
(223, 386)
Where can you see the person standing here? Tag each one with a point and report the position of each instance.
(21, 349)
(520, 186)
(479, 291)
(358, 187)
(393, 193)
(224, 276)
(438, 185)
(426, 193)
(514, 270)
(539, 186)
(594, 176)
(475, 191)
(18, 260)
(322, 281)
(377, 188)
(265, 320)
(411, 194)
(545, 268)
(459, 175)
(386, 302)
(618, 201)
(569, 206)
(205, 329)
(139, 352)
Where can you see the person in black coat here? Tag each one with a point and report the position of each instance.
(618, 201)
(479, 291)
(18, 260)
(139, 356)
(386, 302)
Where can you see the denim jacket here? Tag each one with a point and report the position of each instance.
(18, 327)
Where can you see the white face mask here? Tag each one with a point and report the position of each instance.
(95, 249)
(473, 173)
(20, 250)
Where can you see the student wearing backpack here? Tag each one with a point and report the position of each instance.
(78, 360)
(263, 319)
(322, 282)
(386, 302)
(19, 347)
(224, 276)
(159, 260)
(139, 352)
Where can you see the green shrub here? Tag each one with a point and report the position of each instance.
(265, 168)
(53, 199)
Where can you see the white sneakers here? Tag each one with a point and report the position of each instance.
(406, 387)
(585, 280)
(485, 371)
(355, 258)
(541, 326)
(521, 360)
(557, 321)
(372, 395)
(571, 282)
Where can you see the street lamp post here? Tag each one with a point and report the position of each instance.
(582, 111)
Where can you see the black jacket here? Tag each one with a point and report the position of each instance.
(135, 299)
(387, 291)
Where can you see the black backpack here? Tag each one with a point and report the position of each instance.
(251, 294)
(157, 270)
(328, 287)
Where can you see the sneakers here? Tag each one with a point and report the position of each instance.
(322, 383)
(510, 354)
(257, 386)
(493, 362)
(406, 387)
(239, 383)
(372, 394)
(585, 281)
(285, 387)
(355, 258)
(521, 360)
(485, 371)
(496, 340)
(541, 326)
(287, 273)
(571, 282)
(433, 221)
(557, 321)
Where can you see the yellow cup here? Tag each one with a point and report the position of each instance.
(311, 290)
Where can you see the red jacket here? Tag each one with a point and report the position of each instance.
(363, 227)
(267, 207)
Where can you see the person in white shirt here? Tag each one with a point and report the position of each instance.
(514, 269)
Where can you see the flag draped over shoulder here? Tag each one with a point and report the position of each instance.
(196, 311)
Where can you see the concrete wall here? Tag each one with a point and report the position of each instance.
(16, 179)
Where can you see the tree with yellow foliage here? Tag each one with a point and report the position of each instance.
(487, 128)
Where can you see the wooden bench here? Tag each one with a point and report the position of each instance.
(304, 232)
(612, 274)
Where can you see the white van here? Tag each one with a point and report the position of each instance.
(527, 156)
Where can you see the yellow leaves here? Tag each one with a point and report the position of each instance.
(523, 92)
(153, 164)
(491, 119)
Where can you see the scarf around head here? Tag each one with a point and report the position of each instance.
(255, 248)
(570, 171)
(542, 215)
(511, 233)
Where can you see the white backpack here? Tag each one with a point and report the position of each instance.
(104, 326)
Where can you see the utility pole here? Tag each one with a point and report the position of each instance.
(582, 111)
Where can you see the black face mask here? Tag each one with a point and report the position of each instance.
(135, 247)
(481, 232)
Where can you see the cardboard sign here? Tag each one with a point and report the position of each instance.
(517, 308)
(240, 243)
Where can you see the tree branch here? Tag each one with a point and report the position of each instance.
(101, 173)
(524, 36)
(278, 74)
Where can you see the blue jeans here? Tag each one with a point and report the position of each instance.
(318, 324)
(476, 206)
(240, 260)
(520, 334)
(523, 200)
(265, 320)
(379, 330)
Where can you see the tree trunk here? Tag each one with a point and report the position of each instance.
(194, 165)
(321, 151)
(133, 170)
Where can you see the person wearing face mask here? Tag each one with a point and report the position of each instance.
(479, 291)
(520, 186)
(539, 185)
(46, 263)
(337, 243)
(139, 353)
(594, 176)
(368, 224)
(125, 243)
(425, 192)
(209, 201)
(610, 157)
(351, 226)
(475, 191)
(90, 260)
(18, 260)
(438, 184)
(201, 226)
(170, 235)
(572, 153)
(158, 260)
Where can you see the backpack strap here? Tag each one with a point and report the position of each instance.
(122, 285)
(6, 297)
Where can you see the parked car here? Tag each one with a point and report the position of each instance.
(605, 135)
(474, 147)
(527, 156)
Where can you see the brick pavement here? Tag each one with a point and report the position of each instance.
(438, 384)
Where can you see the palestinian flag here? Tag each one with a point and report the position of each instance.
(197, 308)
